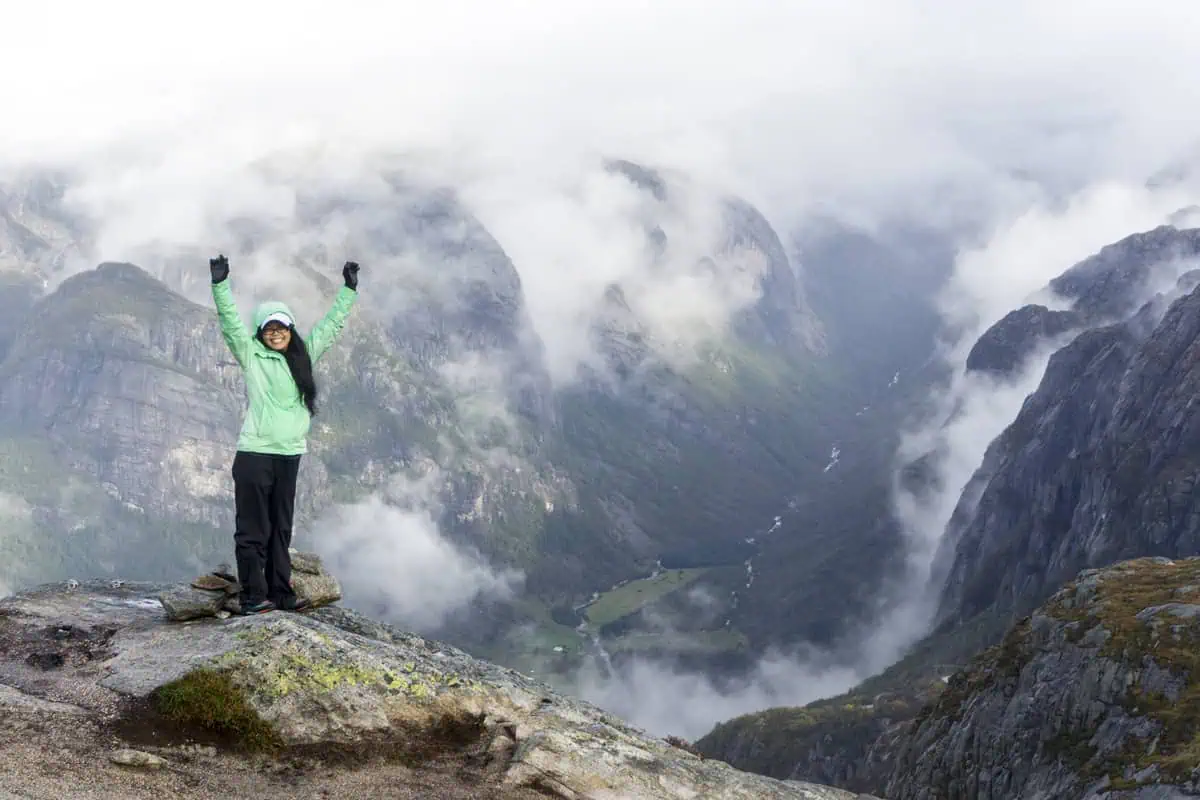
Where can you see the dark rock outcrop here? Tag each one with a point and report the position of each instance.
(1007, 344)
(1095, 468)
(1096, 694)
(1111, 284)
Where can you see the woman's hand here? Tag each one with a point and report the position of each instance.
(219, 267)
(350, 275)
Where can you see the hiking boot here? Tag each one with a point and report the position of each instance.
(293, 603)
(261, 607)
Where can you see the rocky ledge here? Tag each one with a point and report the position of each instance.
(1094, 695)
(103, 694)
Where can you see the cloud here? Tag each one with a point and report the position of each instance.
(660, 696)
(664, 700)
(176, 125)
(1022, 253)
(392, 559)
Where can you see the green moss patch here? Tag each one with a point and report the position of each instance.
(208, 700)
(207, 705)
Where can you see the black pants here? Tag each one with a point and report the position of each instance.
(265, 495)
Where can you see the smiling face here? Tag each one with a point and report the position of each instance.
(276, 335)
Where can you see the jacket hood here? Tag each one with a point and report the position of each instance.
(268, 308)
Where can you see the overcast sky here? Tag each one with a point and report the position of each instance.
(939, 112)
(790, 102)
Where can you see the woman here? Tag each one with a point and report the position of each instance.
(278, 367)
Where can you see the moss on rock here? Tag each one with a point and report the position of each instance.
(1143, 608)
(210, 699)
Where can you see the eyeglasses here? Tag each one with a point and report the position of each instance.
(274, 327)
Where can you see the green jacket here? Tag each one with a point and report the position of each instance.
(277, 421)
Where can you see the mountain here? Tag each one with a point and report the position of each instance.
(1093, 695)
(127, 703)
(616, 498)
(1094, 470)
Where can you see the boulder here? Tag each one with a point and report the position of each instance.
(186, 602)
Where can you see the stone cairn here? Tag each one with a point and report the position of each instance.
(216, 593)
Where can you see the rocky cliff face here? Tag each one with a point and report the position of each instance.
(136, 705)
(84, 366)
(1093, 695)
(36, 234)
(1095, 468)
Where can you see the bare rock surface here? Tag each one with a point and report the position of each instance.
(322, 701)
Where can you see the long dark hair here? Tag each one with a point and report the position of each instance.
(300, 364)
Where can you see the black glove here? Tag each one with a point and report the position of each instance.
(350, 274)
(219, 267)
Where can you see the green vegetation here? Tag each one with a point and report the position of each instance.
(1171, 642)
(533, 642)
(354, 427)
(209, 699)
(784, 737)
(627, 599)
(1000, 662)
(660, 452)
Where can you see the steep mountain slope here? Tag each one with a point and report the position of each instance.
(119, 408)
(1094, 469)
(1094, 695)
(1096, 466)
